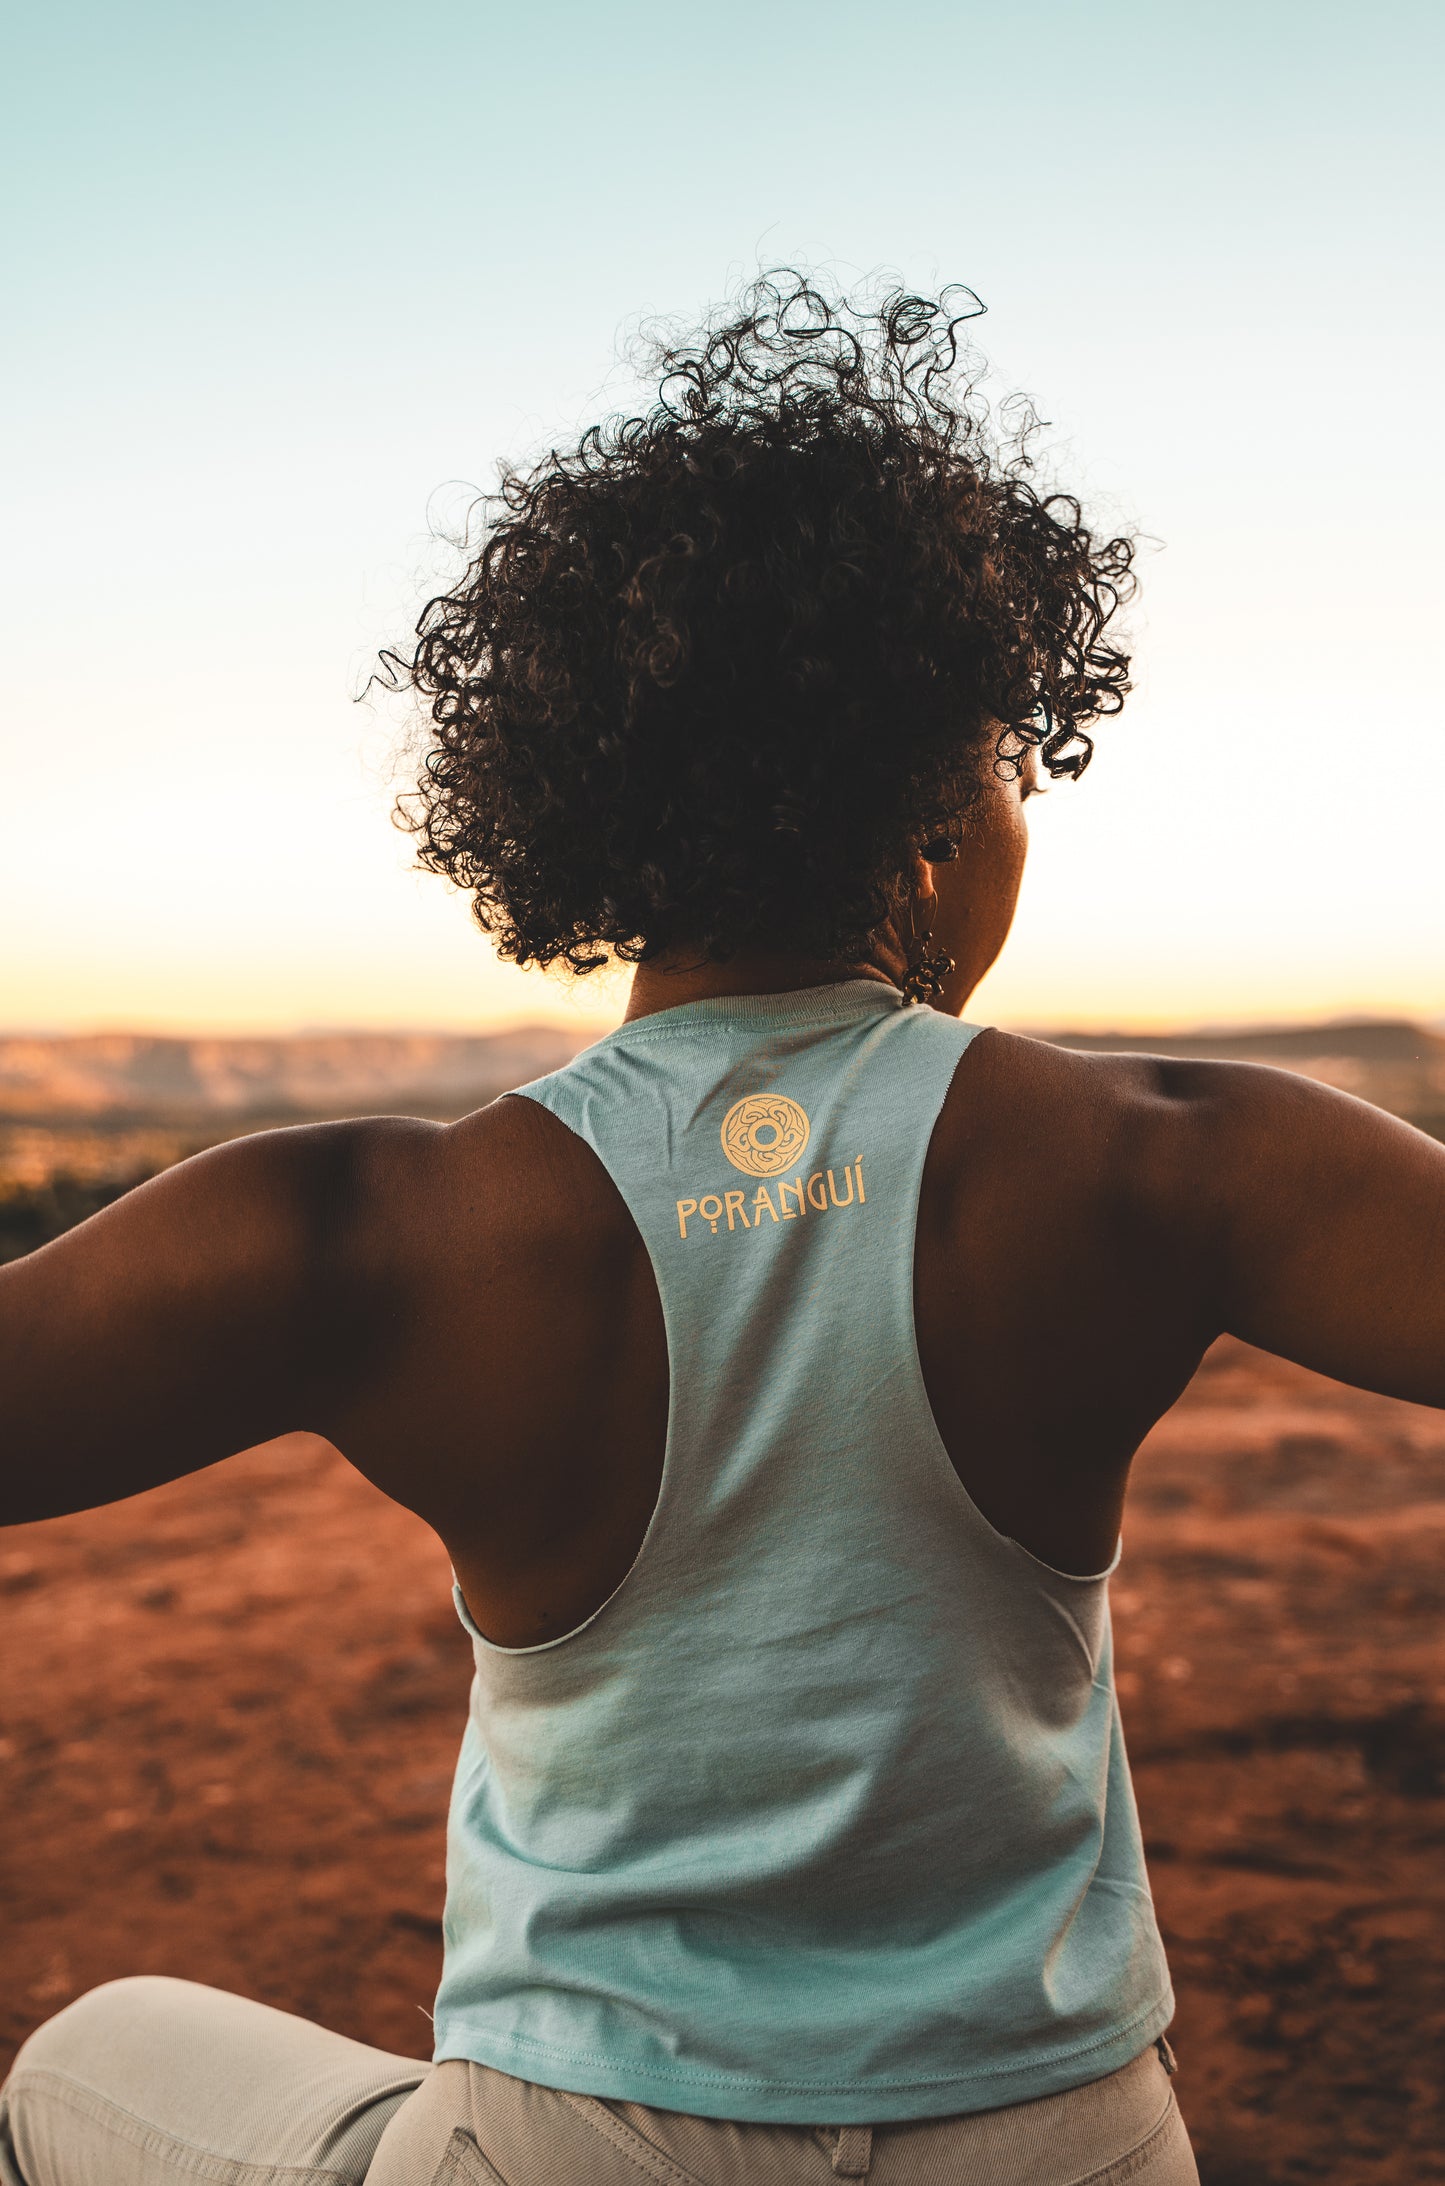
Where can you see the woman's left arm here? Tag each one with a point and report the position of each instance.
(208, 1310)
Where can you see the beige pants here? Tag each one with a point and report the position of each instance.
(152, 2082)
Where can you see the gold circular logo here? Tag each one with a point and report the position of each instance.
(763, 1133)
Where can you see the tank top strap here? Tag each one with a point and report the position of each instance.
(770, 1150)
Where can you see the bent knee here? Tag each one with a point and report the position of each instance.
(78, 2038)
(80, 2072)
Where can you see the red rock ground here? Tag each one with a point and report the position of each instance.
(230, 1710)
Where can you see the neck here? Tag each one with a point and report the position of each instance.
(668, 981)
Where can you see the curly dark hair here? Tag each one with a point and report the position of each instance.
(717, 671)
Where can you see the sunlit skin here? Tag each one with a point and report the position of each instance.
(469, 1314)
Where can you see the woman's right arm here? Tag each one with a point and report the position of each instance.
(1321, 1219)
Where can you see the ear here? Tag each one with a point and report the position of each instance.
(917, 878)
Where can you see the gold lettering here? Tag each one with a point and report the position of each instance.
(790, 1214)
(685, 1207)
(833, 1189)
(858, 1165)
(762, 1203)
(818, 1198)
(734, 1203)
(710, 1208)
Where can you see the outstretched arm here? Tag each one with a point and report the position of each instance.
(202, 1313)
(1321, 1219)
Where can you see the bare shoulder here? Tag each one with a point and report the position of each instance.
(1124, 1089)
(515, 1162)
(1172, 1092)
(1199, 1146)
(361, 1200)
(1110, 1117)
(507, 1178)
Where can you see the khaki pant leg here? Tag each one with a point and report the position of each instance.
(155, 2082)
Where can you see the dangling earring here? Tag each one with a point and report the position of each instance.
(927, 968)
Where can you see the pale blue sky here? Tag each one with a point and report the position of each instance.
(279, 277)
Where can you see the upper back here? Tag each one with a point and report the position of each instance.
(1054, 1318)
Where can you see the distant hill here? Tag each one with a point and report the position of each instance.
(114, 1078)
(1365, 1040)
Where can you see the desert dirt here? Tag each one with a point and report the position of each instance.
(231, 1709)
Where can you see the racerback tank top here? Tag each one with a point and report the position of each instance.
(824, 1816)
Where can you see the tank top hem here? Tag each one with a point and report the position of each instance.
(747, 2100)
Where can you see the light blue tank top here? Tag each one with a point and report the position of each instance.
(824, 1817)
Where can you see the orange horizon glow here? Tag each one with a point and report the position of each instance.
(506, 1000)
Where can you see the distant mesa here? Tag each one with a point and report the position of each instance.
(115, 1076)
(1364, 1040)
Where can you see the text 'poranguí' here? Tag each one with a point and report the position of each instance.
(763, 1134)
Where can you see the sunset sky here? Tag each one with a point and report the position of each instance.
(285, 281)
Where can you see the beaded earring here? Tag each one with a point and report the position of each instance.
(927, 968)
